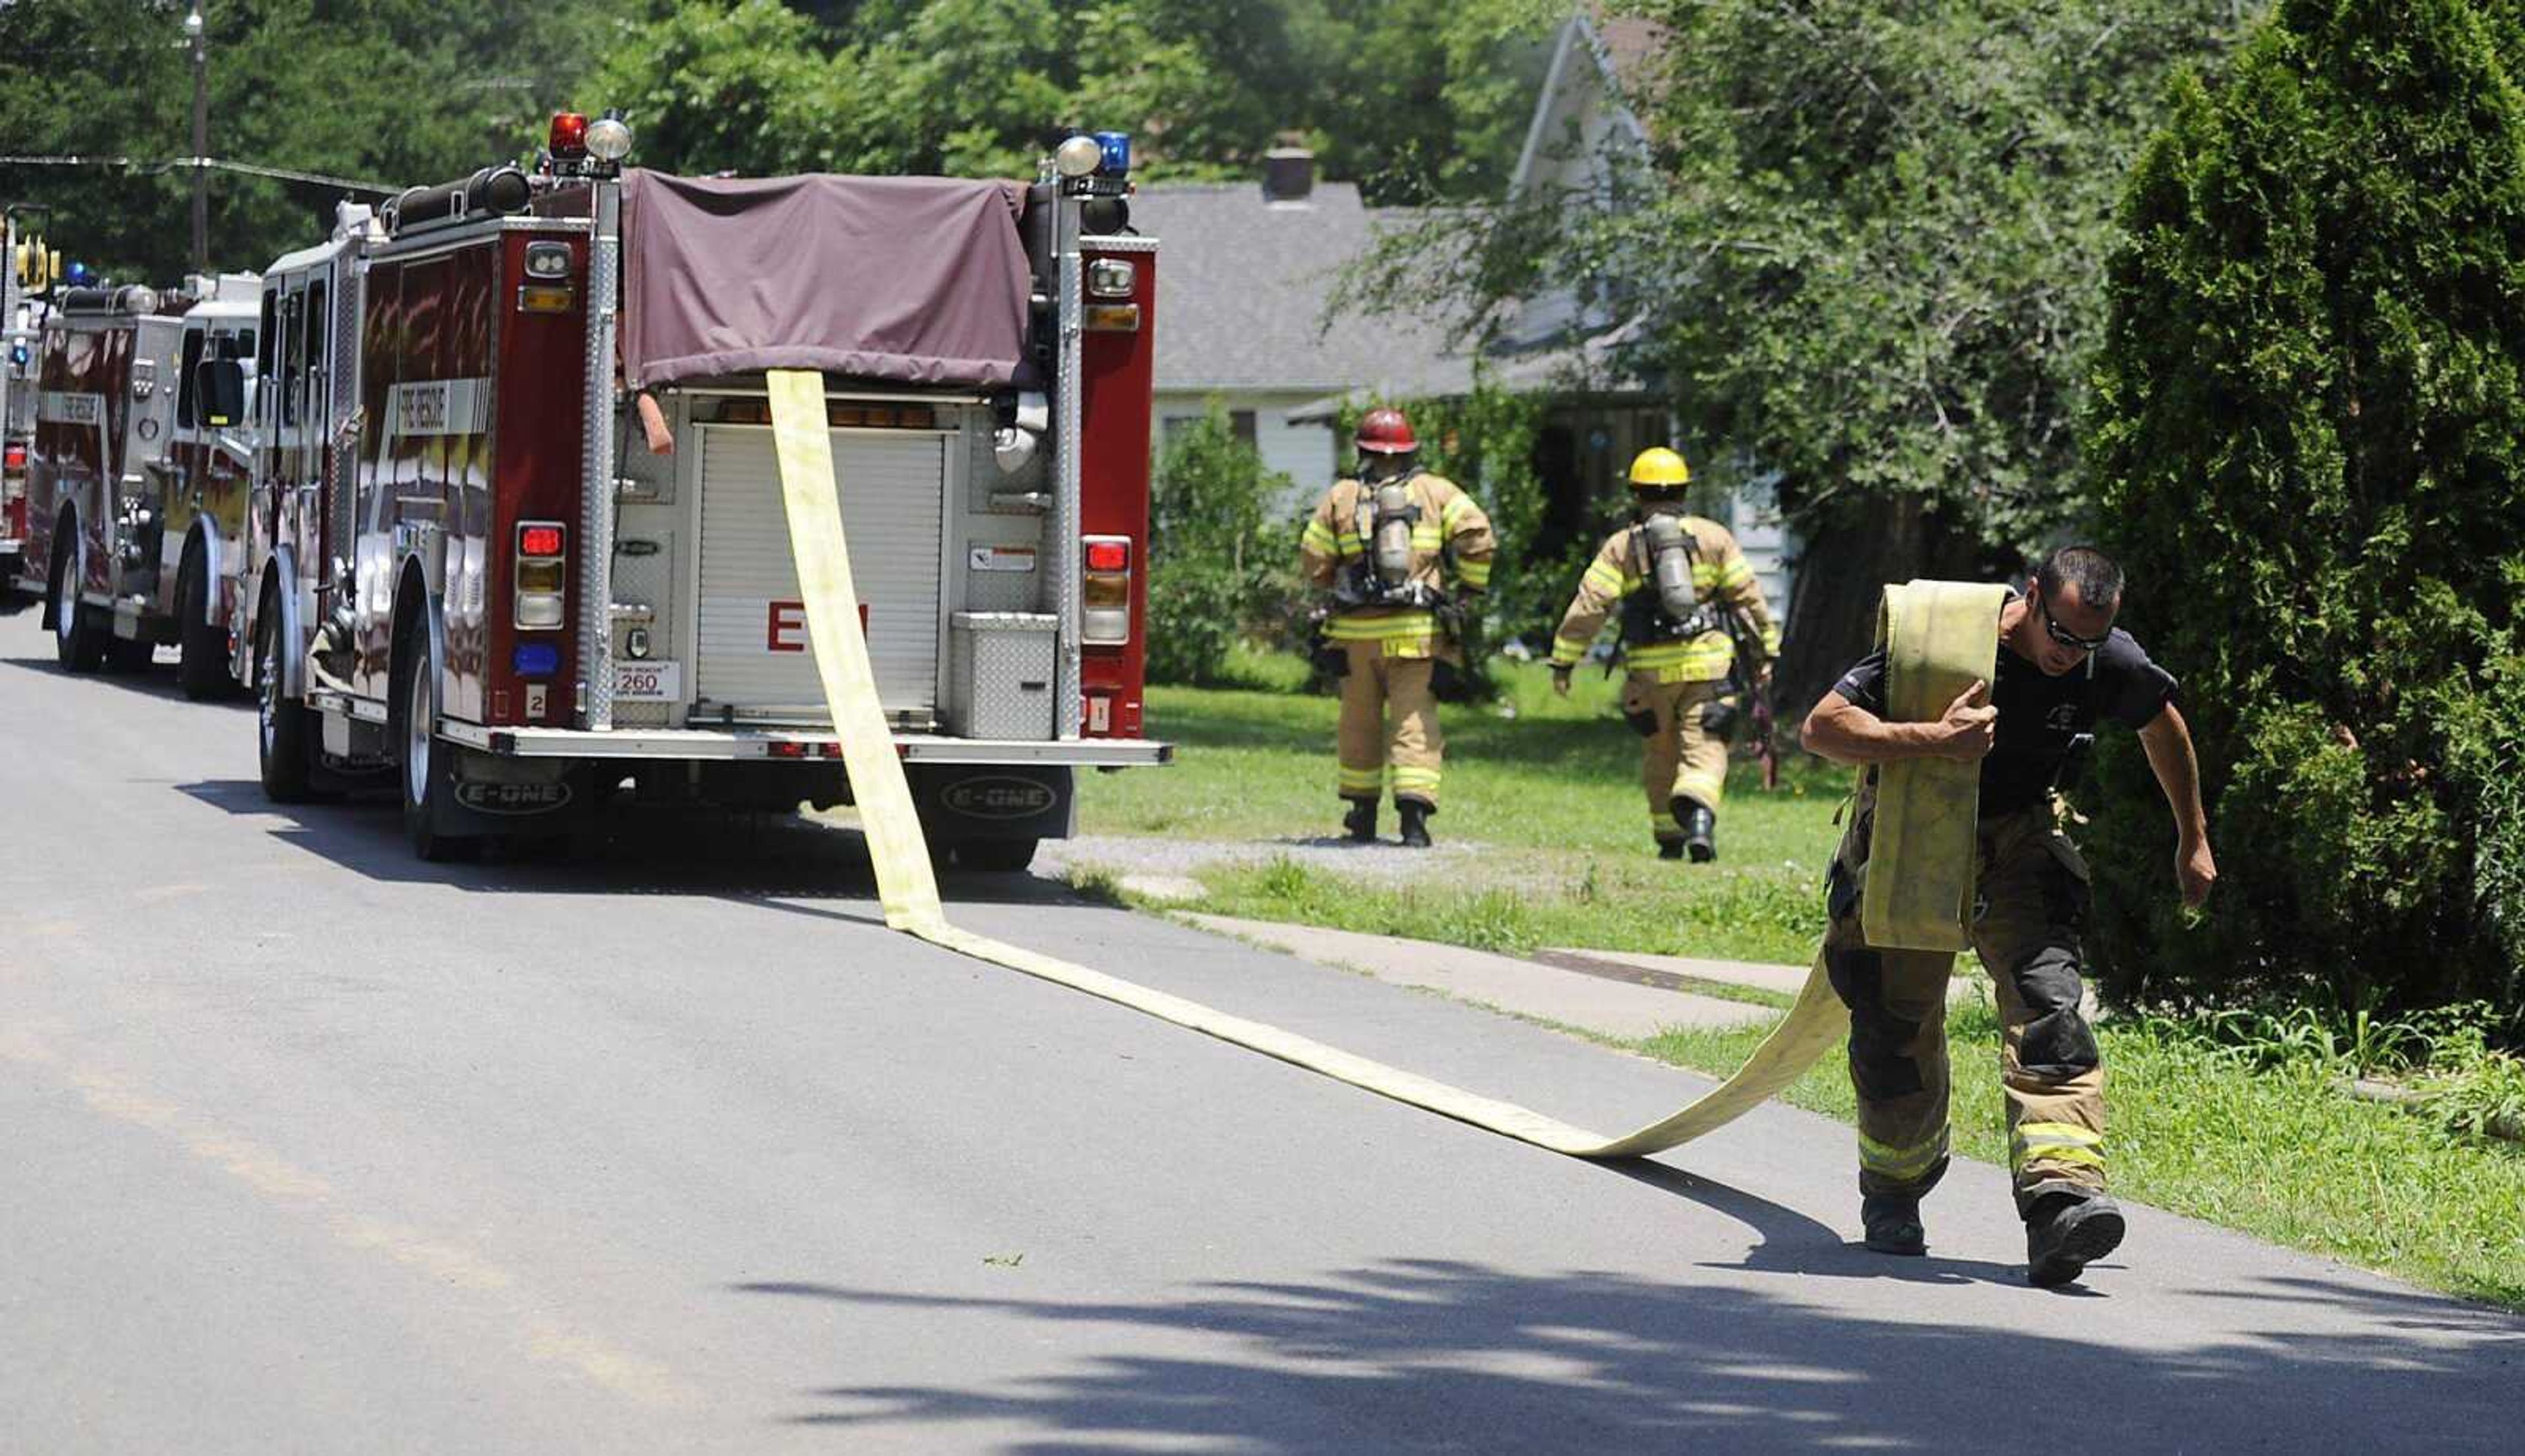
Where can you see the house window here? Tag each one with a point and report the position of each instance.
(1240, 423)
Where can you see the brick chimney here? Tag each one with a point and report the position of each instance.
(1288, 175)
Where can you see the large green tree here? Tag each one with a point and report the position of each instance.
(1861, 248)
(1413, 101)
(397, 92)
(2309, 432)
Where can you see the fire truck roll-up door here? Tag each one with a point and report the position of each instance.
(754, 662)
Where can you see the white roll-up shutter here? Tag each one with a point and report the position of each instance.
(751, 644)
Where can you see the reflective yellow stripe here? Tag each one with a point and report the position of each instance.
(1319, 534)
(1353, 780)
(1704, 658)
(1453, 510)
(1427, 538)
(1566, 651)
(1605, 578)
(2056, 1143)
(1398, 626)
(1735, 573)
(1475, 573)
(1900, 1162)
(1664, 821)
(1771, 639)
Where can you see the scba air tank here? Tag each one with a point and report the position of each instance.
(1670, 549)
(1395, 514)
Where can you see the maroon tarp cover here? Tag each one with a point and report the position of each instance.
(919, 280)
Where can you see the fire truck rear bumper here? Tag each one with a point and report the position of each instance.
(796, 746)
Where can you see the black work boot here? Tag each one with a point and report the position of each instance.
(1415, 822)
(1893, 1226)
(2065, 1232)
(1699, 828)
(1670, 848)
(1361, 821)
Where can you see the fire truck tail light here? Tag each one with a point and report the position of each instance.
(1105, 592)
(542, 576)
(16, 460)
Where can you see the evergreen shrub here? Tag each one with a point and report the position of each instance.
(2309, 427)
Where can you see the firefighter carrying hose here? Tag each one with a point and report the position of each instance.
(2062, 667)
(1691, 614)
(1385, 546)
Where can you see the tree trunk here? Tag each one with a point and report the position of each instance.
(1848, 560)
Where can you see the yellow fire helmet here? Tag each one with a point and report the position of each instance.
(1658, 468)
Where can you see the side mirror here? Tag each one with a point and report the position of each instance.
(220, 385)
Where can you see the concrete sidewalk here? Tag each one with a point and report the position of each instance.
(1608, 1004)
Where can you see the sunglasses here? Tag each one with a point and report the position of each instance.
(2067, 638)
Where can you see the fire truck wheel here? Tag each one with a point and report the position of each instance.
(428, 776)
(996, 857)
(78, 640)
(281, 740)
(203, 667)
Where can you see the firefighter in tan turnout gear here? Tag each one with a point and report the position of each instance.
(1386, 546)
(1690, 607)
(2063, 666)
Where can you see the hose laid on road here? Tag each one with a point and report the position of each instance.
(909, 891)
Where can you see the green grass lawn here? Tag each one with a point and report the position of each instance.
(1549, 787)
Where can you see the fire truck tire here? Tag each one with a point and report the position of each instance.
(79, 638)
(427, 775)
(996, 857)
(281, 740)
(202, 668)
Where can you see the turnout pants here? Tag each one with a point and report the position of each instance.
(2031, 903)
(1679, 757)
(1389, 716)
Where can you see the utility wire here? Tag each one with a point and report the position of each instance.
(150, 166)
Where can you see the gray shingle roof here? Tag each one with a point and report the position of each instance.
(1242, 284)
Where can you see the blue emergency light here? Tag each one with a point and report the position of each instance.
(76, 274)
(1116, 147)
(536, 659)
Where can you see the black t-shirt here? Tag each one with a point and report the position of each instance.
(2040, 715)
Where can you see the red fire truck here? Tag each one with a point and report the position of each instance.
(516, 531)
(135, 486)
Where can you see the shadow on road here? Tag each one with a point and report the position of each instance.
(1442, 1354)
(159, 681)
(749, 856)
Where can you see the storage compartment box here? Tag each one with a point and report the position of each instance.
(999, 674)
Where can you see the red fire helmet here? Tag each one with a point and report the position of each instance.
(1386, 432)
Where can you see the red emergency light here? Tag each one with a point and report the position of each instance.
(1109, 555)
(538, 541)
(569, 135)
(16, 460)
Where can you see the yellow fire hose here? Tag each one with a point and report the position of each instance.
(1959, 624)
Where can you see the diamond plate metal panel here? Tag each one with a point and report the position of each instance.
(1000, 667)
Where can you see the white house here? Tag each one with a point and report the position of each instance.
(1245, 274)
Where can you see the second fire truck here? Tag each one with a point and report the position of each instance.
(516, 535)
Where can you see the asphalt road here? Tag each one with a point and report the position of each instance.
(306, 1145)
